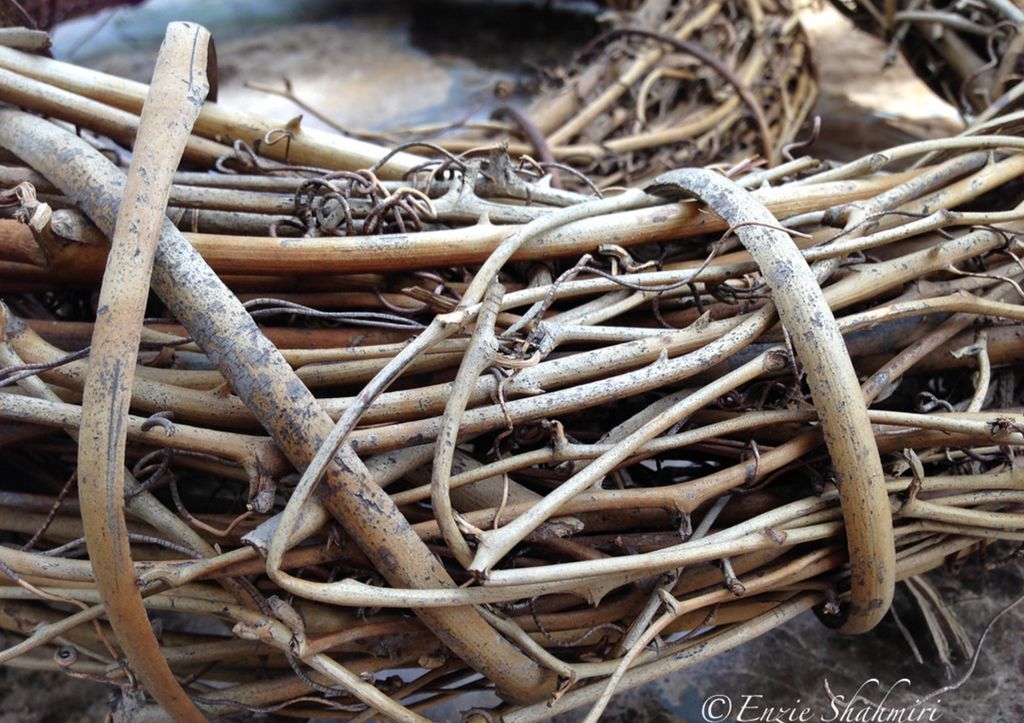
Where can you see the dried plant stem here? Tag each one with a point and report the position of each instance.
(255, 454)
(877, 161)
(308, 146)
(492, 545)
(903, 361)
(94, 115)
(475, 640)
(443, 326)
(179, 88)
(481, 354)
(833, 385)
(262, 255)
(742, 91)
(674, 658)
(983, 377)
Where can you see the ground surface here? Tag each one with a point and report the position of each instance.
(358, 67)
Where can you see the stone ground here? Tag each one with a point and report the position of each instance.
(358, 65)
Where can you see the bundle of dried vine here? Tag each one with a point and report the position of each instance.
(428, 417)
(672, 83)
(969, 53)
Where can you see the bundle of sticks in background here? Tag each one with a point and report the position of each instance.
(395, 427)
(969, 53)
(670, 84)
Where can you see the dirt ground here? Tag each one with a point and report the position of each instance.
(862, 110)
